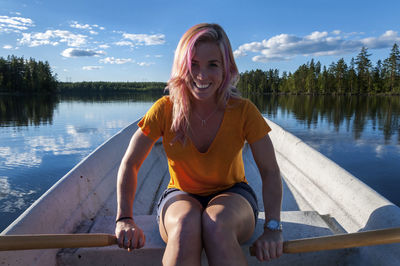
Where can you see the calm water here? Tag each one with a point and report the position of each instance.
(41, 139)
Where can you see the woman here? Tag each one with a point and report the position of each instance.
(204, 124)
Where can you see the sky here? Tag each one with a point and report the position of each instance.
(131, 40)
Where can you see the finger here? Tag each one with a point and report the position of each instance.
(120, 238)
(135, 239)
(142, 240)
(127, 242)
(279, 250)
(272, 251)
(266, 255)
(127, 239)
(258, 251)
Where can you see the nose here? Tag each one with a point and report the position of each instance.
(201, 74)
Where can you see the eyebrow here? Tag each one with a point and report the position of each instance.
(211, 61)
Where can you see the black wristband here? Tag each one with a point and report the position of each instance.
(123, 218)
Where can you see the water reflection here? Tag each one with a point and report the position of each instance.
(353, 113)
(39, 109)
(27, 110)
(111, 97)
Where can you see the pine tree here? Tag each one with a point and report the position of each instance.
(352, 76)
(392, 65)
(340, 74)
(363, 70)
(377, 77)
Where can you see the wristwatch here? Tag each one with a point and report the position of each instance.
(273, 225)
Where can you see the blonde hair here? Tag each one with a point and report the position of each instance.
(180, 81)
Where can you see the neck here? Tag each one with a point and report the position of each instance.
(204, 108)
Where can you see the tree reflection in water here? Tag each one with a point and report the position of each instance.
(352, 112)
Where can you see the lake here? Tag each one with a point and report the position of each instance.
(42, 138)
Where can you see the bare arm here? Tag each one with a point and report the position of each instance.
(269, 245)
(129, 235)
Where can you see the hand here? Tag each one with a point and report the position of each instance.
(269, 245)
(129, 235)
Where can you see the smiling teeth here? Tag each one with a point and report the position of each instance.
(202, 86)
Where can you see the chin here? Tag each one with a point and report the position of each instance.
(202, 96)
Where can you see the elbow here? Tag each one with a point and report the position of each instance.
(129, 167)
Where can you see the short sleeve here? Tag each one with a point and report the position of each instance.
(152, 124)
(255, 126)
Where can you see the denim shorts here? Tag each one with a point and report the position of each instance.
(242, 189)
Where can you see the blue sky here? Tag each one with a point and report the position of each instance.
(132, 40)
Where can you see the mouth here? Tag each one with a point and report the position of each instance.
(201, 86)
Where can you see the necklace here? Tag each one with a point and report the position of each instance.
(204, 121)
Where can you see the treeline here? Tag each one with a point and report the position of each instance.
(359, 77)
(19, 75)
(102, 86)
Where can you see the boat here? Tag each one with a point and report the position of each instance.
(320, 199)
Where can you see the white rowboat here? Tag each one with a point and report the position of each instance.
(320, 199)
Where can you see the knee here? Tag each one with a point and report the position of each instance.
(186, 224)
(214, 227)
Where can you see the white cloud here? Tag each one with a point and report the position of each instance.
(53, 37)
(145, 39)
(14, 158)
(284, 46)
(118, 61)
(73, 52)
(104, 46)
(73, 143)
(7, 47)
(125, 43)
(13, 198)
(92, 68)
(145, 63)
(316, 35)
(93, 32)
(15, 24)
(76, 25)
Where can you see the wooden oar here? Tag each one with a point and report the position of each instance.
(367, 238)
(20, 242)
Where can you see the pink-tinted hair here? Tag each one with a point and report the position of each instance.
(181, 79)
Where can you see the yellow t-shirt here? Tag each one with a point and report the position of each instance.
(221, 166)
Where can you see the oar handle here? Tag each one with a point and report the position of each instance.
(367, 238)
(48, 241)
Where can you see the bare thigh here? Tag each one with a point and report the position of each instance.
(180, 211)
(230, 211)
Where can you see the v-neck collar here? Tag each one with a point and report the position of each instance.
(216, 136)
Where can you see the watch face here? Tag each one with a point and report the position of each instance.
(273, 224)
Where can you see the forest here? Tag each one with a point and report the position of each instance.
(19, 75)
(109, 87)
(358, 77)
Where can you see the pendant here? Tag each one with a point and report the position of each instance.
(203, 123)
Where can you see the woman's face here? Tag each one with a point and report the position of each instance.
(207, 70)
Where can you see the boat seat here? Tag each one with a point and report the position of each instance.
(296, 224)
